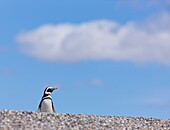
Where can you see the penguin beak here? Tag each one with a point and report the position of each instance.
(54, 88)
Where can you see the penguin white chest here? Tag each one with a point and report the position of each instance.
(46, 106)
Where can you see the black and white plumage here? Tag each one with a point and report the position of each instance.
(46, 104)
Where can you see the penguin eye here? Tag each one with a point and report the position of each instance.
(49, 90)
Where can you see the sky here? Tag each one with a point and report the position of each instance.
(106, 57)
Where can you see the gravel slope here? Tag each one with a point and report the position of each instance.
(20, 120)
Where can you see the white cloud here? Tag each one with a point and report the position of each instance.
(4, 49)
(100, 40)
(91, 83)
(97, 82)
(153, 96)
(7, 72)
(142, 4)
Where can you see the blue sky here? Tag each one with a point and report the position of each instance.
(107, 57)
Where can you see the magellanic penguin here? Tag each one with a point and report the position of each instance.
(46, 104)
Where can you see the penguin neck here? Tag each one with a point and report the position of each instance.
(47, 96)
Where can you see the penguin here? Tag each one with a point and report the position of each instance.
(46, 104)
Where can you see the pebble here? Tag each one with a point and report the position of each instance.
(22, 120)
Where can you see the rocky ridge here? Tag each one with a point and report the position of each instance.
(22, 120)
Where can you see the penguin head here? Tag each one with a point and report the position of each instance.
(49, 90)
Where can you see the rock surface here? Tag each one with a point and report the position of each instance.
(22, 120)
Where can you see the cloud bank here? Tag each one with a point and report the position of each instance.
(100, 40)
